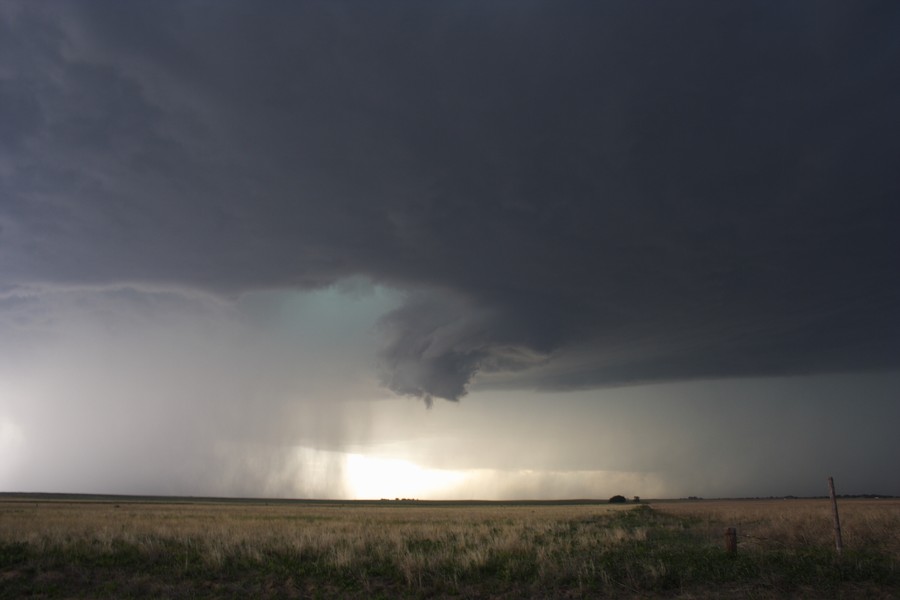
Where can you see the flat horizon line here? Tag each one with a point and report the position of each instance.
(189, 499)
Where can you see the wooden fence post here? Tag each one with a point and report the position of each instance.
(731, 540)
(838, 543)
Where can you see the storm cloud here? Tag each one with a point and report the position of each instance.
(569, 196)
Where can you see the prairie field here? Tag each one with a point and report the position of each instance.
(133, 548)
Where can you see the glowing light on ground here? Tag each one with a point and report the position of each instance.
(369, 477)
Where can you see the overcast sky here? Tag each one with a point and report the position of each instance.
(449, 249)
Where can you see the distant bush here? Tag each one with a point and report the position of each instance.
(618, 500)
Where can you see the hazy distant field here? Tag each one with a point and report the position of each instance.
(246, 549)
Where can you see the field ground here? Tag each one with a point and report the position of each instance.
(140, 548)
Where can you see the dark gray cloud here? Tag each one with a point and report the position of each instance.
(589, 194)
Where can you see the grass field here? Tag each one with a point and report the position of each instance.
(143, 549)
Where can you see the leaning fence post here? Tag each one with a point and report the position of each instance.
(838, 543)
(731, 540)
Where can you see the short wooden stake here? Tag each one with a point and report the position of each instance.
(838, 543)
(731, 540)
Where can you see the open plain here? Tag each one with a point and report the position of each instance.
(63, 547)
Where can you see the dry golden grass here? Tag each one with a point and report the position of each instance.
(421, 544)
(339, 530)
(99, 549)
(866, 524)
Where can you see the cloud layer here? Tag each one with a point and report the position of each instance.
(574, 196)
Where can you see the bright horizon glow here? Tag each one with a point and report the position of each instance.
(373, 478)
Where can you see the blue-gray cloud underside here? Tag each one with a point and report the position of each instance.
(585, 195)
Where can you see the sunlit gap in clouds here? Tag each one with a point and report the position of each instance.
(370, 477)
(373, 476)
(361, 476)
